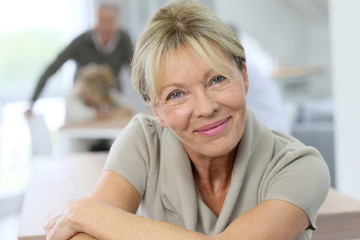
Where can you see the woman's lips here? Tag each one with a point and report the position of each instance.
(213, 129)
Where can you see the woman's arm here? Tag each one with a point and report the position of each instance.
(109, 214)
(115, 190)
(111, 190)
(272, 219)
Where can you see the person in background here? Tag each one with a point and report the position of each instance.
(105, 44)
(264, 96)
(94, 97)
(203, 166)
(265, 99)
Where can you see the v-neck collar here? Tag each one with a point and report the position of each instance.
(179, 192)
(177, 187)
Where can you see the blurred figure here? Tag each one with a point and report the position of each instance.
(105, 44)
(264, 96)
(94, 97)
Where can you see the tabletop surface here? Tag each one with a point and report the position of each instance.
(107, 128)
(337, 203)
(338, 218)
(115, 122)
(52, 183)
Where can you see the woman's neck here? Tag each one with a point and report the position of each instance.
(213, 178)
(213, 170)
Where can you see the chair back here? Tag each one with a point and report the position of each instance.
(40, 135)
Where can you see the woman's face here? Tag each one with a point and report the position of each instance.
(203, 108)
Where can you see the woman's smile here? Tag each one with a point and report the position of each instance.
(213, 129)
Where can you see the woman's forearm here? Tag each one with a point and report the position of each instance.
(114, 223)
(108, 222)
(271, 219)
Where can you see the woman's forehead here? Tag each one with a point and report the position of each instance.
(181, 67)
(180, 62)
(214, 59)
(210, 57)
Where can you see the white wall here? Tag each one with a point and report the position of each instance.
(269, 22)
(288, 33)
(345, 40)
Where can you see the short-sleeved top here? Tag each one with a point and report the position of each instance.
(268, 165)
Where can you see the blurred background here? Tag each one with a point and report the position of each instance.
(306, 48)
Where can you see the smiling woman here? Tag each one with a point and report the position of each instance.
(204, 167)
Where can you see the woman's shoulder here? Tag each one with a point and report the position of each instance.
(291, 153)
(143, 129)
(285, 142)
(302, 162)
(298, 174)
(146, 123)
(141, 136)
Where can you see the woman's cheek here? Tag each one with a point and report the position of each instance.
(178, 116)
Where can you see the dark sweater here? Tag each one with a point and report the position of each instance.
(83, 51)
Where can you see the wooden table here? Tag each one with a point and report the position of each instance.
(339, 218)
(52, 183)
(107, 128)
(80, 136)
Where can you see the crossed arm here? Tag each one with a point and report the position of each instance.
(110, 214)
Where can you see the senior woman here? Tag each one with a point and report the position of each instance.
(204, 167)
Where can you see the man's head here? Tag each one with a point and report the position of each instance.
(107, 21)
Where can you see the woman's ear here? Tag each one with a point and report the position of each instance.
(158, 117)
(245, 77)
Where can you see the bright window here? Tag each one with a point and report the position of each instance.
(31, 35)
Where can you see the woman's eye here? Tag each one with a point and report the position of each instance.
(217, 79)
(174, 95)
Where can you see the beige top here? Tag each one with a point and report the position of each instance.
(268, 165)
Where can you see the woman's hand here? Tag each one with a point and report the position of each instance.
(65, 222)
(112, 195)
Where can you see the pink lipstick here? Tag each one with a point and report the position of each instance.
(213, 129)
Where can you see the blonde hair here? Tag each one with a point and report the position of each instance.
(178, 26)
(97, 79)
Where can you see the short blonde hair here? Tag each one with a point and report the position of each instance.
(178, 26)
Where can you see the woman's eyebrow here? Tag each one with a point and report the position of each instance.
(209, 73)
(173, 83)
(177, 84)
(172, 86)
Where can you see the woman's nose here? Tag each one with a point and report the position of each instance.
(205, 104)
